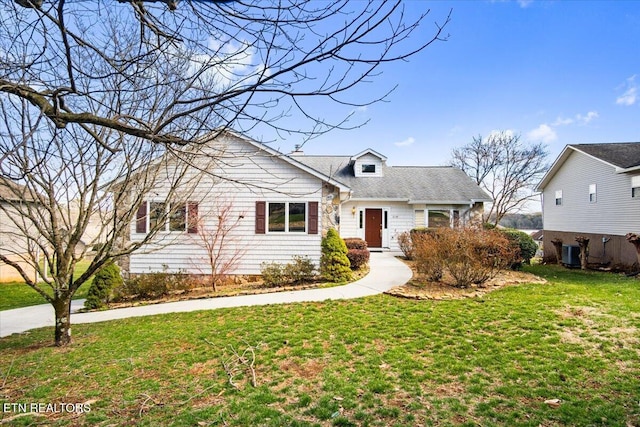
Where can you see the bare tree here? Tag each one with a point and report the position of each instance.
(505, 168)
(68, 183)
(216, 236)
(92, 91)
(201, 65)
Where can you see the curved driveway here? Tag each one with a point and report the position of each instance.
(386, 271)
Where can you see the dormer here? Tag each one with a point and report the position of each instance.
(368, 163)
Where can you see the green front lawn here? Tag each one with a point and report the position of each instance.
(378, 361)
(18, 294)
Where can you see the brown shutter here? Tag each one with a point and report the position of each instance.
(141, 218)
(313, 217)
(261, 216)
(192, 217)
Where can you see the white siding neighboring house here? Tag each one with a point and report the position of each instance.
(593, 190)
(13, 242)
(286, 203)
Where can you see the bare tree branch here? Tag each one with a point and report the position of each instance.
(232, 60)
(505, 168)
(101, 102)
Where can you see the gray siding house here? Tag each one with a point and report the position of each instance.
(593, 190)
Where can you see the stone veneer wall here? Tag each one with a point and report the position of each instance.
(330, 208)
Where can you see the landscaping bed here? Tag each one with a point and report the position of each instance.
(249, 285)
(420, 289)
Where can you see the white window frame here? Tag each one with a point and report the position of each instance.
(635, 187)
(558, 199)
(593, 194)
(369, 165)
(166, 228)
(286, 218)
(428, 211)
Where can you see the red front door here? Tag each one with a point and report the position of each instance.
(373, 227)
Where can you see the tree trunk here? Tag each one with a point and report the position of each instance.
(557, 244)
(62, 307)
(634, 239)
(583, 242)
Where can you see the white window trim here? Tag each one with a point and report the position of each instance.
(593, 191)
(373, 172)
(426, 214)
(635, 186)
(558, 197)
(167, 219)
(286, 218)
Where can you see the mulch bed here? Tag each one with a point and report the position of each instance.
(424, 290)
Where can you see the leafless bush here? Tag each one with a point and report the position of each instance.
(299, 270)
(426, 251)
(471, 256)
(406, 244)
(154, 285)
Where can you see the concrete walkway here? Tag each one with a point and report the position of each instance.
(386, 271)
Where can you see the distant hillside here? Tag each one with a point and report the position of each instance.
(523, 221)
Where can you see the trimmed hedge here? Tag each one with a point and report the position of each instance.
(357, 253)
(358, 258)
(355, 243)
(154, 285)
(101, 289)
(301, 269)
(334, 264)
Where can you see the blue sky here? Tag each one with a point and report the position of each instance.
(557, 72)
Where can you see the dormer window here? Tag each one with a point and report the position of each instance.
(368, 168)
(368, 164)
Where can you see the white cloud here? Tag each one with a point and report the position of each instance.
(591, 115)
(360, 110)
(544, 133)
(224, 65)
(406, 142)
(561, 121)
(630, 95)
(578, 119)
(524, 3)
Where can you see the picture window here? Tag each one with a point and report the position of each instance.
(287, 217)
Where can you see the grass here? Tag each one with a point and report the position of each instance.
(378, 361)
(18, 294)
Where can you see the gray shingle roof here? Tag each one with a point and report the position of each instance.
(621, 154)
(421, 184)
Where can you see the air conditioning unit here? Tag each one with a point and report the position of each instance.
(571, 255)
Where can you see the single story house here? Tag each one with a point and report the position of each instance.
(283, 204)
(593, 190)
